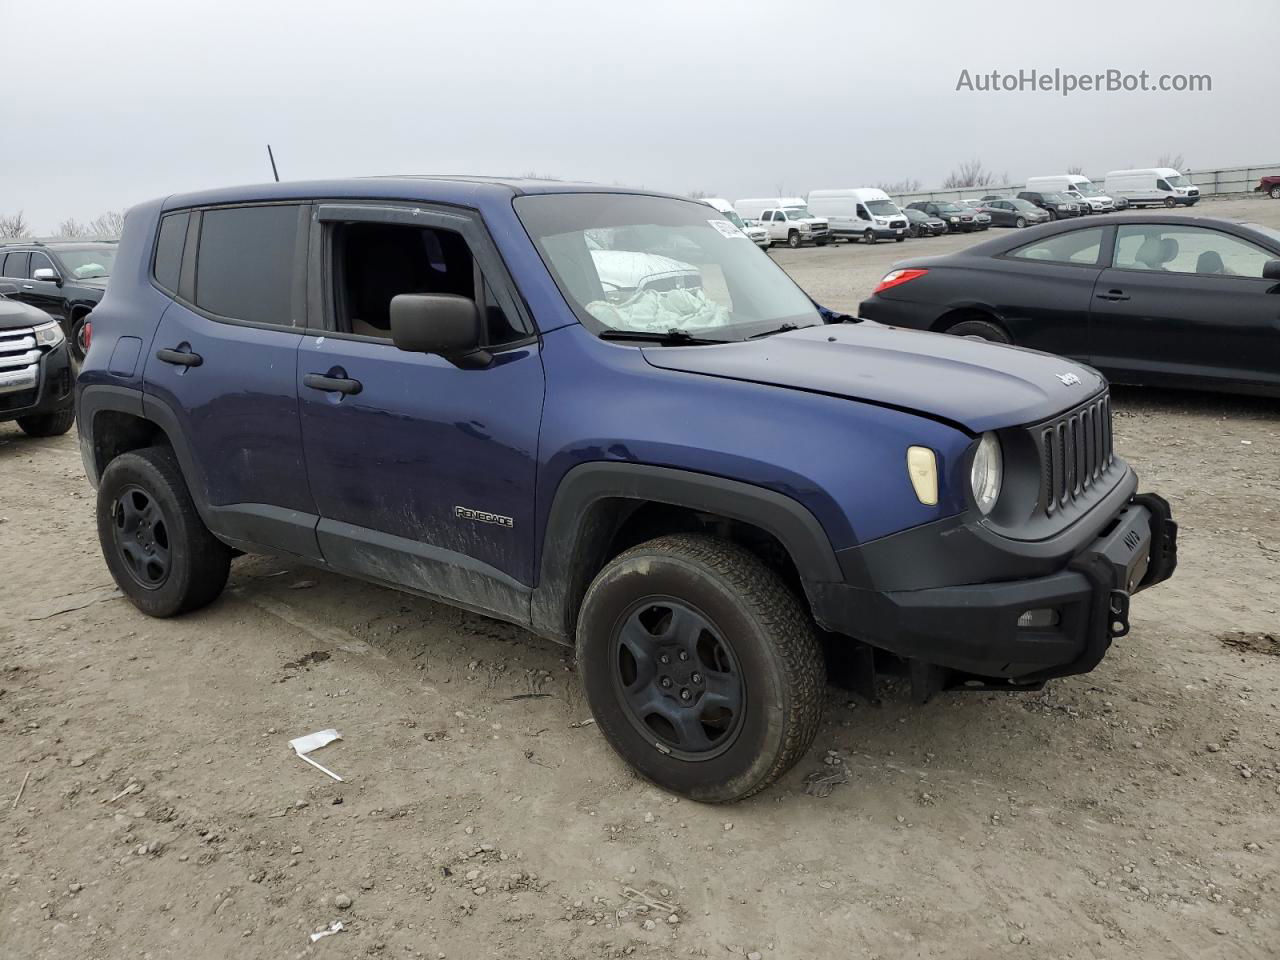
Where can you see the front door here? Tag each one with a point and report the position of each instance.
(221, 371)
(1182, 301)
(42, 292)
(423, 470)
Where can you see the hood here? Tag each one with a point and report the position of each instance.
(14, 314)
(976, 384)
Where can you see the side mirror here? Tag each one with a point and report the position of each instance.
(1271, 270)
(440, 323)
(48, 274)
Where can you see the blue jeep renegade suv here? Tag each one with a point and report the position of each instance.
(606, 416)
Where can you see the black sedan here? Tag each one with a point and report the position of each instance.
(1168, 301)
(956, 217)
(920, 224)
(1012, 212)
(1058, 206)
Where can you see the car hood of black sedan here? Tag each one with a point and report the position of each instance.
(973, 383)
(14, 314)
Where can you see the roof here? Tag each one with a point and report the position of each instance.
(461, 190)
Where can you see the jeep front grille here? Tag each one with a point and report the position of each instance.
(1075, 451)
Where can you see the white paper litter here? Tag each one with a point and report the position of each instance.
(335, 927)
(314, 741)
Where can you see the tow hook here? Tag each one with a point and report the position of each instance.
(1119, 609)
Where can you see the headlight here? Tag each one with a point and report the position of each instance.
(987, 472)
(954, 219)
(49, 334)
(804, 228)
(881, 221)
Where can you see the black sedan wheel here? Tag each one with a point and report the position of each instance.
(78, 347)
(981, 329)
(701, 667)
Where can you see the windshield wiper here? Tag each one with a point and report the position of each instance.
(781, 328)
(673, 337)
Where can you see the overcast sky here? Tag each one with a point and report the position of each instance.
(108, 103)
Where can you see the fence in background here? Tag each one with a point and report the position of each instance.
(1221, 181)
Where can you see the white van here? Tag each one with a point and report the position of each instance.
(1153, 185)
(787, 219)
(860, 213)
(755, 233)
(1078, 188)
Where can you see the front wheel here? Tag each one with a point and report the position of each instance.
(1275, 192)
(1020, 222)
(162, 556)
(868, 236)
(1170, 202)
(793, 239)
(49, 424)
(701, 667)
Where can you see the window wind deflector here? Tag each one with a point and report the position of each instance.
(672, 337)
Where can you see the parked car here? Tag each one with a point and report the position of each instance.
(956, 217)
(1078, 188)
(1168, 301)
(35, 368)
(860, 213)
(423, 383)
(923, 225)
(1270, 186)
(65, 279)
(1012, 212)
(756, 233)
(1155, 185)
(1057, 205)
(787, 219)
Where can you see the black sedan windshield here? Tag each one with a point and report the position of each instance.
(653, 264)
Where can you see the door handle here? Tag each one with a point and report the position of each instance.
(28, 286)
(318, 381)
(180, 358)
(1113, 295)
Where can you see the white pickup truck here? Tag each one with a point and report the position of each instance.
(787, 219)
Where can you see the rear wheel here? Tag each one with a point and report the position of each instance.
(1275, 192)
(701, 667)
(49, 424)
(982, 329)
(156, 546)
(78, 347)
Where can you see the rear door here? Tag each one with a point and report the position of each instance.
(1184, 301)
(223, 368)
(423, 471)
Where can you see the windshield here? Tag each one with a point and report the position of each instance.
(798, 213)
(1087, 190)
(950, 208)
(884, 208)
(1024, 204)
(733, 218)
(88, 263)
(1055, 198)
(1178, 181)
(915, 215)
(652, 264)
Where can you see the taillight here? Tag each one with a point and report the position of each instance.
(87, 336)
(896, 278)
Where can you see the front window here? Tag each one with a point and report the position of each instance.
(654, 265)
(884, 208)
(799, 213)
(1087, 190)
(88, 263)
(1178, 181)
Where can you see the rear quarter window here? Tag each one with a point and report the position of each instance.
(169, 244)
(1081, 247)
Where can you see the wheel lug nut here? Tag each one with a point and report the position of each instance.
(664, 659)
(685, 694)
(666, 683)
(696, 678)
(684, 655)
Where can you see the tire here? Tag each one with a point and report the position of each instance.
(983, 329)
(171, 564)
(793, 239)
(1170, 203)
(1275, 192)
(49, 424)
(1020, 222)
(76, 340)
(771, 675)
(898, 239)
(868, 236)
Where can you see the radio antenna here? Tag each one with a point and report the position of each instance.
(272, 157)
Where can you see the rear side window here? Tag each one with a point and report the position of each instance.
(245, 263)
(15, 266)
(1078, 246)
(173, 235)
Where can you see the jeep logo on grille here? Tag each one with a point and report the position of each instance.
(483, 516)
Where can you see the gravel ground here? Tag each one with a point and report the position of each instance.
(1134, 812)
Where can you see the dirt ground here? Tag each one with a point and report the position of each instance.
(1134, 812)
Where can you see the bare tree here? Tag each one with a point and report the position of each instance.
(534, 175)
(1076, 170)
(909, 185)
(699, 194)
(107, 224)
(1174, 161)
(13, 226)
(971, 173)
(71, 229)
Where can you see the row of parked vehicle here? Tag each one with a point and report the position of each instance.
(869, 214)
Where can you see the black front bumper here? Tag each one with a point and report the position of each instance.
(52, 391)
(975, 628)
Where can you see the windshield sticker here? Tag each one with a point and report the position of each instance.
(727, 229)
